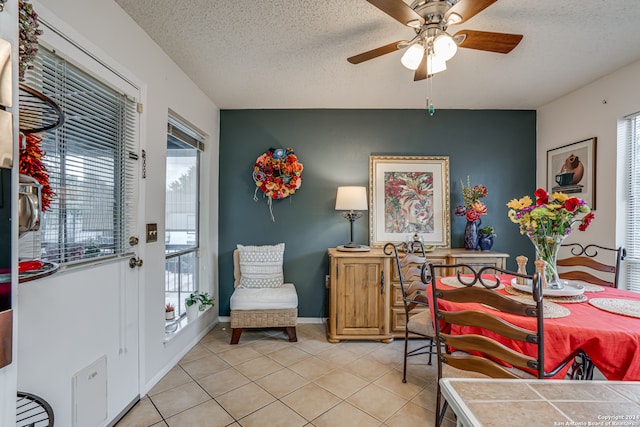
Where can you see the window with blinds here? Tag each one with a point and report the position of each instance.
(182, 212)
(632, 186)
(91, 161)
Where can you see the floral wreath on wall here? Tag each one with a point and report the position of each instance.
(278, 174)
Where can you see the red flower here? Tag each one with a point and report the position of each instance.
(542, 197)
(586, 221)
(571, 204)
(472, 215)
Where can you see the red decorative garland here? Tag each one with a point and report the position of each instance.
(31, 164)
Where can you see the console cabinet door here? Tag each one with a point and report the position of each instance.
(360, 296)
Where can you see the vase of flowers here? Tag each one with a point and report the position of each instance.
(472, 209)
(485, 238)
(547, 222)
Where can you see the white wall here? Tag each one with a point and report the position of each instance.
(593, 110)
(74, 340)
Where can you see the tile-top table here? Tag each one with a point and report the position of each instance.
(555, 403)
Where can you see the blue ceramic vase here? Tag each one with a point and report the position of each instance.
(485, 242)
(471, 235)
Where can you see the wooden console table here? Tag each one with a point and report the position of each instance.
(365, 298)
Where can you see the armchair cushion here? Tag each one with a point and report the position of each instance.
(260, 266)
(280, 298)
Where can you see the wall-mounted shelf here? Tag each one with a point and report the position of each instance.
(47, 270)
(38, 113)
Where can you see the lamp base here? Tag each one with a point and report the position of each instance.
(356, 248)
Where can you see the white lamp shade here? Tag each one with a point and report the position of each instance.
(351, 199)
(444, 46)
(413, 56)
(435, 64)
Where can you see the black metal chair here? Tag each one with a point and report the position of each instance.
(418, 321)
(479, 354)
(586, 261)
(33, 411)
(593, 264)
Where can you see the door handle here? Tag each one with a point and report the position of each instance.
(135, 262)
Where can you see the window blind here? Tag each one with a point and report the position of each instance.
(183, 181)
(632, 241)
(92, 164)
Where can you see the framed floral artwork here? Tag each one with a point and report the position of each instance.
(571, 169)
(409, 195)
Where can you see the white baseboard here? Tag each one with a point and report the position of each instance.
(227, 319)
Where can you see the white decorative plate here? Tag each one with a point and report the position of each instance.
(570, 289)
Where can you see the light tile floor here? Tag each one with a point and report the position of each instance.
(267, 381)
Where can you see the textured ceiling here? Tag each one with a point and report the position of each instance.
(292, 54)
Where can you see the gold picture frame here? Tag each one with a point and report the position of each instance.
(409, 195)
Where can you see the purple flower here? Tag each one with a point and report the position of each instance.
(461, 210)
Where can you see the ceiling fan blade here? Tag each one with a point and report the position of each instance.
(485, 40)
(467, 9)
(374, 53)
(400, 11)
(421, 71)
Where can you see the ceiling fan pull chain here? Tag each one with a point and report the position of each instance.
(430, 108)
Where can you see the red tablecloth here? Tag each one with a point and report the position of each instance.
(611, 340)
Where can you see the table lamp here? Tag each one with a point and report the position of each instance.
(352, 199)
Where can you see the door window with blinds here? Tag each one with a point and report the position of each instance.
(182, 212)
(632, 212)
(91, 161)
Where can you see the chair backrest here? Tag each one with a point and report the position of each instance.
(408, 266)
(467, 306)
(587, 263)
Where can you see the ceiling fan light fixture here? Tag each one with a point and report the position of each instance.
(413, 56)
(435, 64)
(444, 46)
(453, 19)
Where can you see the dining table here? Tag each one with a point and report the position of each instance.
(604, 322)
(507, 402)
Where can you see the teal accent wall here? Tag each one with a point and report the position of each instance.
(494, 147)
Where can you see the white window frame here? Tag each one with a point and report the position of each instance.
(190, 135)
(629, 195)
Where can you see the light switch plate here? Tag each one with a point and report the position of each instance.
(152, 233)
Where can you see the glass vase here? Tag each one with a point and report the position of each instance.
(547, 247)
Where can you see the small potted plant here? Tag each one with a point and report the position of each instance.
(169, 312)
(485, 238)
(195, 302)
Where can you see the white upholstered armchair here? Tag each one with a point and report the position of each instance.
(261, 299)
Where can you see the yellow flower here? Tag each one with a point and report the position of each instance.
(525, 202)
(561, 197)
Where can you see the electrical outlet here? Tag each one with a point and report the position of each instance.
(326, 281)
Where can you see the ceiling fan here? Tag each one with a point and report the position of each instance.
(432, 46)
